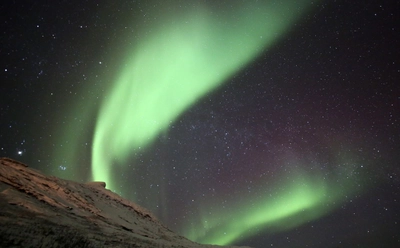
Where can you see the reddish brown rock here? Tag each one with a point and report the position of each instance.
(42, 211)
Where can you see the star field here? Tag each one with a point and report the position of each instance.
(295, 146)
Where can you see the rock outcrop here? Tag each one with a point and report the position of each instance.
(42, 211)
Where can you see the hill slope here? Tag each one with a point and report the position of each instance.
(41, 211)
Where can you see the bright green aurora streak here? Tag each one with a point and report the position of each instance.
(186, 55)
(177, 60)
(302, 197)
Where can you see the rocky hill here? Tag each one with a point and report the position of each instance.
(42, 211)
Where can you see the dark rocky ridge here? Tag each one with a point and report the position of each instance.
(41, 211)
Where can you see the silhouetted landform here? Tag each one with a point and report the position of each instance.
(45, 211)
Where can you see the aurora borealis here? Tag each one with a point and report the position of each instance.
(189, 54)
(259, 123)
(301, 198)
(166, 75)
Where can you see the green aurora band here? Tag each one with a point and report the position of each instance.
(178, 59)
(186, 55)
(300, 197)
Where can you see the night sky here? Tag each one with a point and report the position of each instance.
(260, 123)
